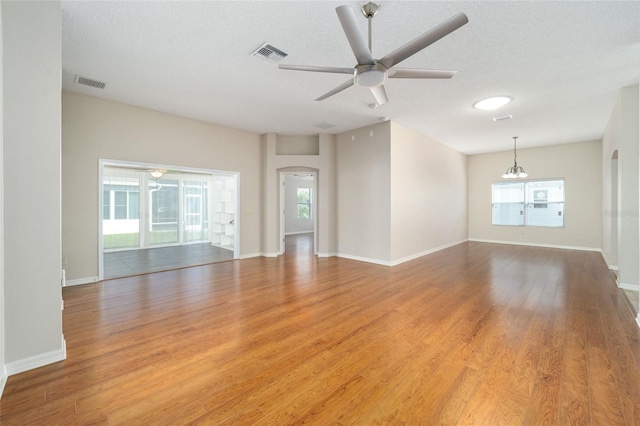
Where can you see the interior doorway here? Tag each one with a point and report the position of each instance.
(299, 246)
(156, 217)
(298, 206)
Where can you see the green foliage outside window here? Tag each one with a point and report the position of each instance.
(304, 203)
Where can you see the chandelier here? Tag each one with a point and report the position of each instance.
(515, 171)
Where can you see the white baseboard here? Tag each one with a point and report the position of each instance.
(537, 245)
(638, 320)
(608, 262)
(365, 259)
(79, 281)
(327, 254)
(3, 379)
(631, 287)
(426, 252)
(36, 361)
(402, 260)
(249, 255)
(269, 254)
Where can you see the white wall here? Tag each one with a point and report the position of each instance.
(621, 134)
(32, 75)
(428, 194)
(364, 193)
(94, 129)
(578, 163)
(294, 225)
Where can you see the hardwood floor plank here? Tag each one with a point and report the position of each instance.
(476, 334)
(627, 378)
(573, 395)
(603, 394)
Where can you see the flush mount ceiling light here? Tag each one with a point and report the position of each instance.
(157, 173)
(490, 104)
(515, 171)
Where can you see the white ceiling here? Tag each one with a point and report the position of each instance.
(561, 62)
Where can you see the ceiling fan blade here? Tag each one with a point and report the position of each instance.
(419, 73)
(316, 69)
(356, 39)
(424, 40)
(380, 94)
(338, 89)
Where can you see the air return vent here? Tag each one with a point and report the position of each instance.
(269, 53)
(504, 117)
(90, 82)
(325, 125)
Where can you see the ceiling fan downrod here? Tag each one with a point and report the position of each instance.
(369, 10)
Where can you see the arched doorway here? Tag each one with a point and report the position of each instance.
(298, 194)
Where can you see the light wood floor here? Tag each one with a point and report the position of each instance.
(476, 334)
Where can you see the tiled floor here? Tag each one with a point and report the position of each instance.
(134, 262)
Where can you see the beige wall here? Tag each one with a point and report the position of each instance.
(578, 163)
(401, 195)
(428, 194)
(364, 193)
(3, 367)
(620, 231)
(94, 129)
(31, 133)
(323, 164)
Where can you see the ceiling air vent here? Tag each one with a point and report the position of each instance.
(269, 53)
(504, 117)
(90, 82)
(325, 125)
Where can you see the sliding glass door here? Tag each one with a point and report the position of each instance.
(164, 217)
(140, 211)
(121, 211)
(196, 210)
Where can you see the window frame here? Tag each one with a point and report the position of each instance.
(307, 204)
(530, 203)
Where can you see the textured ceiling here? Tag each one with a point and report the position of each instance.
(561, 62)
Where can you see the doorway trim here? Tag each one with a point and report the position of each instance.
(291, 171)
(143, 165)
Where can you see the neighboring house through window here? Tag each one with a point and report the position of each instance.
(529, 203)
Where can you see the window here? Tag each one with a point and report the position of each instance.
(304, 203)
(195, 210)
(528, 203)
(120, 198)
(106, 205)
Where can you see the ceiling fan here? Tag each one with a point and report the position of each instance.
(372, 73)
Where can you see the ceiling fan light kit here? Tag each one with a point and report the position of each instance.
(157, 173)
(373, 73)
(369, 76)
